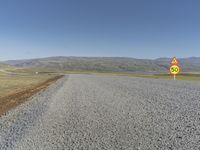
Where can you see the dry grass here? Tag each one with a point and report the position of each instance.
(19, 95)
(14, 83)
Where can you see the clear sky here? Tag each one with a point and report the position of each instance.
(125, 28)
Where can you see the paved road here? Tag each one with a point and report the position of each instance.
(109, 113)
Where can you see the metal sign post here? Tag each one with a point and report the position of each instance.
(174, 77)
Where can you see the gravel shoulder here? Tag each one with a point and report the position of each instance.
(106, 112)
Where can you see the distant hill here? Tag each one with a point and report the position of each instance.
(103, 64)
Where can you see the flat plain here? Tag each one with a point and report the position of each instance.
(106, 112)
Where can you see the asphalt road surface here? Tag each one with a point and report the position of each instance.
(108, 113)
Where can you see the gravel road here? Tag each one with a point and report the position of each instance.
(108, 113)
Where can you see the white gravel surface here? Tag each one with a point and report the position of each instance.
(108, 113)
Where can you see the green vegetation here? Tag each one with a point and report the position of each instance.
(192, 77)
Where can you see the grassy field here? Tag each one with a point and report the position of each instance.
(6, 67)
(191, 77)
(13, 83)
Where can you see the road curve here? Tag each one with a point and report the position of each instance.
(109, 113)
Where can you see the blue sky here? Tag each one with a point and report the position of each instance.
(124, 28)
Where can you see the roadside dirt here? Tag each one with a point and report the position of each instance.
(13, 100)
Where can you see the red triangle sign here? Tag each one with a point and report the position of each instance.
(174, 61)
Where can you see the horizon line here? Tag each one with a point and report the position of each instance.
(96, 57)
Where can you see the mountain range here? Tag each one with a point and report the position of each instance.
(106, 64)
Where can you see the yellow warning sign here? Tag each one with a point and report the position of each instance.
(174, 61)
(174, 69)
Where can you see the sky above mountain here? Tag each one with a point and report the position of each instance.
(124, 28)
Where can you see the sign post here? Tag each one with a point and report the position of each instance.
(174, 68)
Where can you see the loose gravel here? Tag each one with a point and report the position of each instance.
(106, 113)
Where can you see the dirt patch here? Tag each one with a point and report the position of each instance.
(11, 101)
